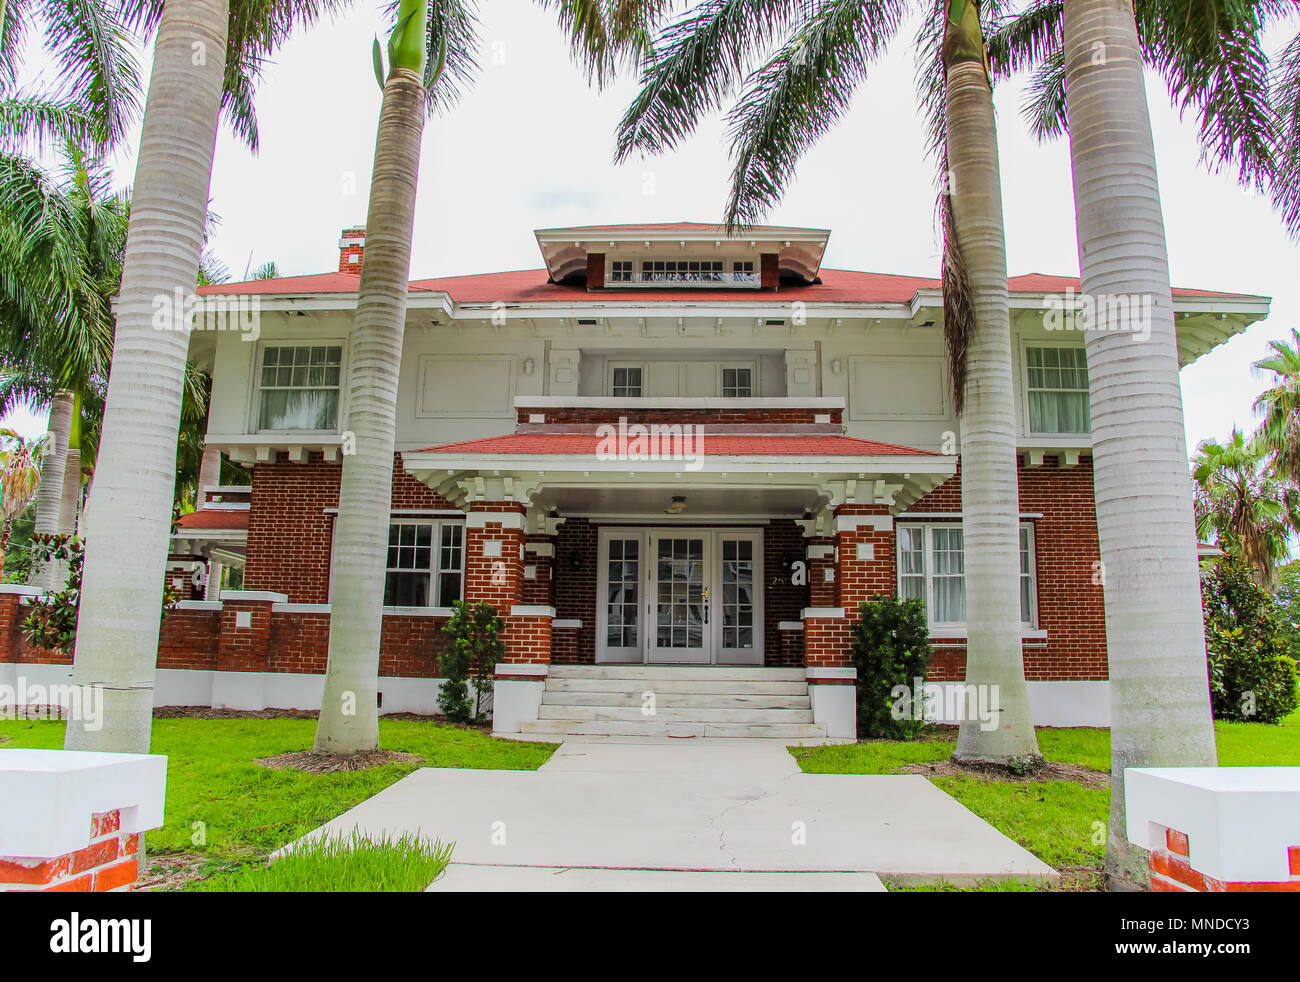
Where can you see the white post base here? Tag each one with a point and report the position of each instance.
(517, 695)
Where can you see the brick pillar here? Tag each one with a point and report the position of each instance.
(12, 613)
(244, 640)
(72, 820)
(539, 570)
(822, 578)
(494, 554)
(865, 546)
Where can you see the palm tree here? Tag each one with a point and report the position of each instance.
(1241, 503)
(978, 324)
(349, 720)
(1279, 405)
(98, 82)
(430, 39)
(206, 55)
(1213, 59)
(20, 477)
(1160, 699)
(787, 99)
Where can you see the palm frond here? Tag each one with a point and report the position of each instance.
(790, 102)
(696, 64)
(28, 122)
(606, 35)
(1284, 99)
(96, 62)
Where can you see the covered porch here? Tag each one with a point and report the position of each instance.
(753, 553)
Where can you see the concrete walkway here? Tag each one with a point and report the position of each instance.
(688, 815)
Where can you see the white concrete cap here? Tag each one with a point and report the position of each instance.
(47, 797)
(1239, 821)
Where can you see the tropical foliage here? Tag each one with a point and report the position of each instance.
(1244, 506)
(474, 649)
(1249, 641)
(891, 652)
(20, 476)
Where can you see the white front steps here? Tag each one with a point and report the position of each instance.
(676, 701)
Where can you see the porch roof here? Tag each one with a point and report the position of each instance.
(729, 445)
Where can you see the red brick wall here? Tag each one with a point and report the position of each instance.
(575, 591)
(783, 599)
(290, 533)
(1070, 604)
(188, 640)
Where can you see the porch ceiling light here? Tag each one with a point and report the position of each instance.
(677, 507)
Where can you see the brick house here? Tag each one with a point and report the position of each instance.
(673, 460)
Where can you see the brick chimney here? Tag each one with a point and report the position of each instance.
(352, 249)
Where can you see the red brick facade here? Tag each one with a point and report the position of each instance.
(1067, 561)
(290, 529)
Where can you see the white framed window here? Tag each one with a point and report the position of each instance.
(932, 567)
(743, 271)
(681, 270)
(426, 563)
(1056, 389)
(626, 381)
(299, 386)
(736, 381)
(620, 271)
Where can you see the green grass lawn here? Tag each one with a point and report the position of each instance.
(224, 805)
(1061, 822)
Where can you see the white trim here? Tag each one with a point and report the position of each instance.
(300, 608)
(506, 519)
(851, 523)
(237, 595)
(832, 673)
(679, 402)
(540, 548)
(255, 389)
(20, 590)
(532, 610)
(563, 623)
(419, 611)
(228, 489)
(949, 632)
(1025, 516)
(819, 551)
(790, 626)
(522, 668)
(413, 512)
(200, 605)
(823, 613)
(1027, 431)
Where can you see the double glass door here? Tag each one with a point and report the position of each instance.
(680, 597)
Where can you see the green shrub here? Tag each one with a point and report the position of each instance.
(891, 648)
(474, 631)
(1252, 675)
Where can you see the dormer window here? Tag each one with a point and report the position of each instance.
(681, 271)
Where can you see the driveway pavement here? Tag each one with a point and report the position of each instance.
(677, 815)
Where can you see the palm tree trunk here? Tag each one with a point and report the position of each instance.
(126, 543)
(1160, 701)
(349, 718)
(989, 495)
(49, 496)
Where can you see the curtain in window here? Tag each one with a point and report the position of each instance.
(1058, 390)
(949, 577)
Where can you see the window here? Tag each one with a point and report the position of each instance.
(737, 383)
(932, 567)
(426, 562)
(625, 381)
(681, 270)
(300, 387)
(743, 271)
(624, 599)
(1057, 385)
(620, 271)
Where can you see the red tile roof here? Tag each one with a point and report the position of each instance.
(215, 519)
(531, 286)
(710, 446)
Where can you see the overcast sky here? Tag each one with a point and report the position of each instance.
(531, 148)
